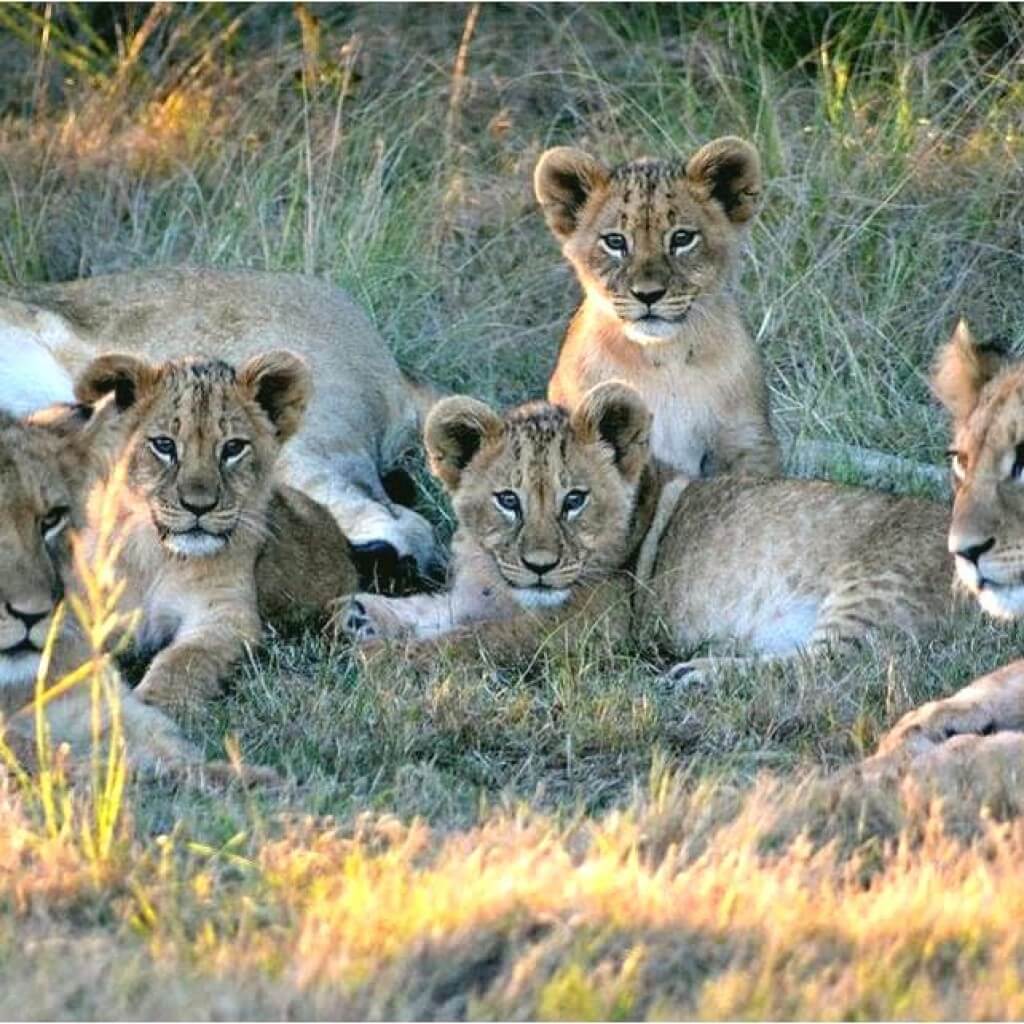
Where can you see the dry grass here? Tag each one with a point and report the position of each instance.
(575, 840)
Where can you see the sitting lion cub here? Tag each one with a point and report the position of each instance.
(209, 536)
(562, 515)
(654, 244)
(984, 392)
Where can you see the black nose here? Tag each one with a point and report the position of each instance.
(198, 508)
(975, 551)
(540, 567)
(648, 298)
(28, 619)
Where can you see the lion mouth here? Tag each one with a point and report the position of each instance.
(21, 647)
(540, 595)
(195, 542)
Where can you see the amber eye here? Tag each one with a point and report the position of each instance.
(163, 448)
(614, 243)
(233, 449)
(508, 502)
(573, 503)
(54, 521)
(683, 241)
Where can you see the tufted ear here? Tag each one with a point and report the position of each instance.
(962, 368)
(728, 171)
(279, 382)
(127, 377)
(563, 181)
(90, 436)
(456, 429)
(614, 414)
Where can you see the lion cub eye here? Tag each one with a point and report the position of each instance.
(233, 449)
(163, 448)
(682, 241)
(508, 502)
(573, 503)
(614, 244)
(54, 521)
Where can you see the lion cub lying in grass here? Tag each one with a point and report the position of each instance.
(47, 465)
(563, 519)
(211, 540)
(654, 244)
(984, 392)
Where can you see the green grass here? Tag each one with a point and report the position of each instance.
(575, 840)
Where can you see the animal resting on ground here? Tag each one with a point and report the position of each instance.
(984, 391)
(564, 520)
(362, 417)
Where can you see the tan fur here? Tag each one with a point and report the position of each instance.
(201, 523)
(363, 414)
(984, 392)
(687, 352)
(775, 567)
(46, 466)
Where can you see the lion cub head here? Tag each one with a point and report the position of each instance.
(984, 391)
(546, 496)
(47, 464)
(203, 439)
(650, 238)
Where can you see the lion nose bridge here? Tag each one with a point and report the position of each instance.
(971, 533)
(198, 489)
(539, 548)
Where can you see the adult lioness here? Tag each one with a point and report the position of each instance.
(363, 414)
(562, 515)
(46, 467)
(654, 244)
(204, 527)
(984, 392)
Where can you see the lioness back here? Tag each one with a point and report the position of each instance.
(363, 415)
(654, 245)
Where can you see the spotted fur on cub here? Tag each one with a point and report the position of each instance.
(654, 244)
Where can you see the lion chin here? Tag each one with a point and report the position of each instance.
(20, 668)
(195, 543)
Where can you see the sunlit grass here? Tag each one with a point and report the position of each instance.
(574, 839)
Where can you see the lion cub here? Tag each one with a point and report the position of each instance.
(654, 244)
(562, 516)
(209, 536)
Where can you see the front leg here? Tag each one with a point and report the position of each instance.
(991, 704)
(748, 447)
(193, 668)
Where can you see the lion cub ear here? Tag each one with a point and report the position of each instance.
(281, 384)
(456, 429)
(962, 369)
(127, 377)
(727, 171)
(90, 436)
(563, 181)
(614, 414)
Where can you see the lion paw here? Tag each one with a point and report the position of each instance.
(356, 622)
(935, 723)
(688, 675)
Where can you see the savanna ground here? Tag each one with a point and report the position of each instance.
(572, 840)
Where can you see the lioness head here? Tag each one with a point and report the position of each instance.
(203, 439)
(46, 466)
(545, 494)
(650, 238)
(984, 390)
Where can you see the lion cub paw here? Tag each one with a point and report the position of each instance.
(364, 618)
(688, 675)
(937, 722)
